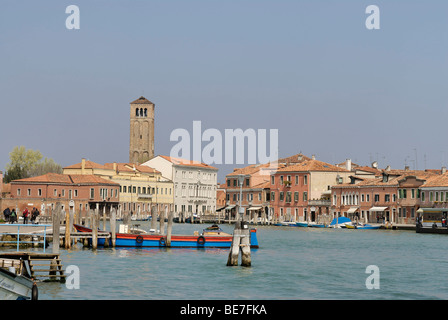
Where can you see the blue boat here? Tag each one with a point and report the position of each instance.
(340, 222)
(210, 238)
(363, 227)
(302, 224)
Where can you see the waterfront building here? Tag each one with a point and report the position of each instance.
(394, 196)
(79, 191)
(141, 187)
(425, 189)
(141, 143)
(194, 183)
(366, 199)
(301, 192)
(221, 197)
(434, 192)
(255, 195)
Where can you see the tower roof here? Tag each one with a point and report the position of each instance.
(141, 100)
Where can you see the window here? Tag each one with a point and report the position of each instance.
(272, 195)
(69, 194)
(297, 180)
(362, 197)
(377, 198)
(247, 182)
(63, 192)
(430, 196)
(282, 196)
(272, 180)
(305, 179)
(437, 196)
(296, 196)
(281, 179)
(228, 182)
(234, 182)
(305, 196)
(92, 193)
(423, 196)
(367, 197)
(28, 192)
(386, 197)
(55, 192)
(412, 193)
(289, 178)
(39, 192)
(133, 189)
(288, 196)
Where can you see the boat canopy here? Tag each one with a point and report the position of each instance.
(340, 220)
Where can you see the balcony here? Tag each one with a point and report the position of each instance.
(319, 202)
(144, 196)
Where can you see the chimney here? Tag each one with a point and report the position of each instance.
(406, 168)
(115, 167)
(375, 164)
(300, 157)
(387, 168)
(443, 170)
(348, 164)
(313, 157)
(83, 165)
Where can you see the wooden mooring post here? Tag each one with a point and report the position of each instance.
(113, 226)
(169, 229)
(56, 227)
(240, 240)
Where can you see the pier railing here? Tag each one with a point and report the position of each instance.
(24, 231)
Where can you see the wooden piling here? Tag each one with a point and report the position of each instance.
(113, 226)
(56, 227)
(162, 222)
(169, 229)
(246, 260)
(232, 260)
(154, 218)
(104, 217)
(95, 229)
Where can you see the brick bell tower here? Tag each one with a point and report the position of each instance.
(141, 145)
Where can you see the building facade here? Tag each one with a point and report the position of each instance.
(301, 192)
(141, 144)
(141, 187)
(195, 183)
(83, 192)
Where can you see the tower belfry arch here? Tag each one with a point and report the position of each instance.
(141, 142)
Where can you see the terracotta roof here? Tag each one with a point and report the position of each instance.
(88, 165)
(190, 163)
(66, 179)
(436, 181)
(312, 165)
(249, 170)
(141, 100)
(129, 167)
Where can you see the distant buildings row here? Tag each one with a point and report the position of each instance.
(297, 188)
(306, 189)
(163, 182)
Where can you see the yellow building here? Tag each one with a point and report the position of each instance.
(140, 186)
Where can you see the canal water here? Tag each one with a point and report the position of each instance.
(291, 263)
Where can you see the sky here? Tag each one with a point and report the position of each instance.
(310, 69)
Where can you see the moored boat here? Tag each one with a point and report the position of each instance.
(15, 281)
(206, 239)
(363, 226)
(432, 220)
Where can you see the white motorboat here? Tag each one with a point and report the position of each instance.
(15, 282)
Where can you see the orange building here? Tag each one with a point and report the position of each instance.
(81, 191)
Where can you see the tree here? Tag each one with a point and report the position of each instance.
(27, 163)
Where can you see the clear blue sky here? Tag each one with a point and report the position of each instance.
(308, 68)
